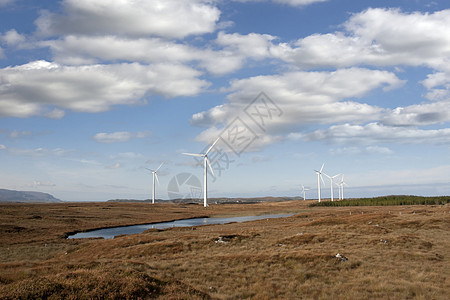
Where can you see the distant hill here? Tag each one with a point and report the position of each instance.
(26, 197)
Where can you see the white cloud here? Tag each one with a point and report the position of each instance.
(38, 87)
(165, 18)
(55, 114)
(114, 166)
(306, 97)
(227, 53)
(375, 133)
(418, 114)
(252, 45)
(380, 37)
(12, 38)
(438, 84)
(17, 134)
(118, 137)
(297, 3)
(81, 49)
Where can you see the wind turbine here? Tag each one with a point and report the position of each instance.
(331, 183)
(341, 187)
(303, 190)
(154, 176)
(205, 174)
(319, 177)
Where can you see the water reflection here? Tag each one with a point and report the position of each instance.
(109, 233)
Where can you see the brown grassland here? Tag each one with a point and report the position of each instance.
(392, 252)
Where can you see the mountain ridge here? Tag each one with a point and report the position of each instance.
(12, 196)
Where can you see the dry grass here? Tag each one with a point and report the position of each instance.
(393, 253)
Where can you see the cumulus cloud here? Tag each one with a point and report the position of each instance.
(302, 97)
(306, 97)
(164, 18)
(37, 88)
(17, 134)
(228, 52)
(418, 114)
(12, 38)
(296, 3)
(81, 49)
(250, 45)
(375, 133)
(119, 136)
(299, 2)
(376, 36)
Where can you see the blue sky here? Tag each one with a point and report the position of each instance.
(94, 92)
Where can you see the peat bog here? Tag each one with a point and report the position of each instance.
(390, 252)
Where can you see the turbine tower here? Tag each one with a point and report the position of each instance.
(303, 190)
(331, 183)
(341, 187)
(319, 177)
(205, 170)
(154, 176)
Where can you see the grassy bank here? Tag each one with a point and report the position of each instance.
(390, 253)
(387, 200)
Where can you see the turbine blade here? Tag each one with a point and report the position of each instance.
(209, 165)
(212, 146)
(156, 176)
(322, 167)
(159, 167)
(193, 154)
(321, 177)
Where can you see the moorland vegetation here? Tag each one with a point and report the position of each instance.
(385, 252)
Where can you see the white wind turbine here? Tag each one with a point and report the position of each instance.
(331, 183)
(303, 191)
(154, 176)
(341, 187)
(205, 174)
(319, 177)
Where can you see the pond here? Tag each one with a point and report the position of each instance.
(109, 233)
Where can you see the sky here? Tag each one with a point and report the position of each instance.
(95, 94)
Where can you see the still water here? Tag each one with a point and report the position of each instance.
(109, 233)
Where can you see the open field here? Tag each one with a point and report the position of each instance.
(392, 252)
